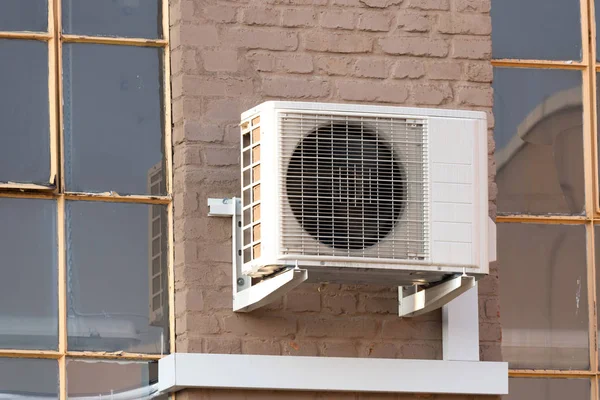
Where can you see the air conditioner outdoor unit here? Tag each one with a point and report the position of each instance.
(364, 194)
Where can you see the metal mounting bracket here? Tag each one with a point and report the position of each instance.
(426, 300)
(246, 296)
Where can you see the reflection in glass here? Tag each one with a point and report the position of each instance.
(28, 378)
(103, 379)
(539, 141)
(113, 118)
(29, 283)
(24, 15)
(536, 29)
(117, 277)
(128, 18)
(543, 292)
(548, 389)
(24, 118)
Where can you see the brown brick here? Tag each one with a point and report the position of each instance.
(480, 72)
(197, 323)
(419, 351)
(481, 6)
(186, 251)
(340, 303)
(218, 299)
(212, 86)
(262, 62)
(475, 96)
(189, 300)
(381, 3)
(338, 349)
(195, 131)
(299, 348)
(299, 88)
(338, 42)
(303, 301)
(442, 5)
(207, 275)
(222, 345)
(187, 343)
(374, 21)
(338, 19)
(221, 156)
(444, 70)
(380, 350)
(186, 202)
(373, 304)
(372, 91)
(490, 352)
(301, 17)
(260, 16)
(299, 2)
(410, 329)
(220, 110)
(431, 94)
(255, 325)
(257, 38)
(490, 332)
(357, 327)
(262, 347)
(347, 3)
(220, 13)
(476, 49)
(196, 35)
(220, 60)
(414, 21)
(465, 24)
(340, 65)
(186, 155)
(415, 46)
(296, 63)
(183, 61)
(371, 68)
(412, 69)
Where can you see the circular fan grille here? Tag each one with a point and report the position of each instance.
(345, 187)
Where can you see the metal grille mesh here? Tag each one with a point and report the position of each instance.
(354, 186)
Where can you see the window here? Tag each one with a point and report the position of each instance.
(85, 197)
(544, 57)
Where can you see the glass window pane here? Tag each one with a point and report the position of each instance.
(536, 29)
(539, 141)
(24, 115)
(28, 378)
(543, 296)
(113, 138)
(28, 318)
(128, 18)
(117, 277)
(122, 379)
(24, 15)
(548, 389)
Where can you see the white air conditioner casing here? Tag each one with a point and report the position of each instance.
(364, 194)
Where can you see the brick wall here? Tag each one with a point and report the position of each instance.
(229, 55)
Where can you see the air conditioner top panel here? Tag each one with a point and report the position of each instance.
(363, 109)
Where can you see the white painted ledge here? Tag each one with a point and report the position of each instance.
(224, 371)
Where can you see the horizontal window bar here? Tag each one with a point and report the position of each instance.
(539, 64)
(114, 40)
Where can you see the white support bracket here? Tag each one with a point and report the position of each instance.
(426, 300)
(248, 297)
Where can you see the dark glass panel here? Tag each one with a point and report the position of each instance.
(24, 115)
(539, 141)
(543, 293)
(117, 255)
(24, 15)
(113, 118)
(29, 283)
(28, 378)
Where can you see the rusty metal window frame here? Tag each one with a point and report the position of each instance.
(588, 66)
(56, 190)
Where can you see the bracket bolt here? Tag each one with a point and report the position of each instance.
(240, 281)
